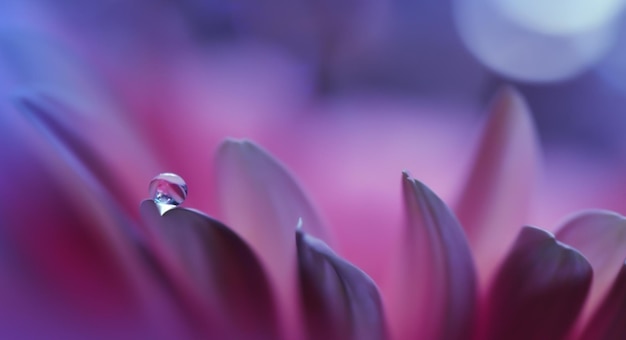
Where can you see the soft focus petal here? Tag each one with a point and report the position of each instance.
(52, 119)
(70, 254)
(262, 202)
(42, 65)
(223, 268)
(538, 291)
(495, 201)
(340, 300)
(113, 161)
(609, 321)
(601, 237)
(251, 181)
(433, 291)
(66, 253)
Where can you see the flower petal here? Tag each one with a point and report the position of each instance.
(496, 197)
(251, 178)
(538, 291)
(609, 321)
(61, 126)
(71, 253)
(340, 301)
(223, 268)
(263, 203)
(601, 237)
(434, 287)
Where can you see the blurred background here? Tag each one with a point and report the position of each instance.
(566, 57)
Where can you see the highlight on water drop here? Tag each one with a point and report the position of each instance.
(167, 190)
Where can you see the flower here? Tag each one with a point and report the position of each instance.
(81, 261)
(82, 264)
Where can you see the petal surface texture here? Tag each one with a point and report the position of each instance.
(538, 291)
(432, 292)
(340, 301)
(495, 201)
(601, 237)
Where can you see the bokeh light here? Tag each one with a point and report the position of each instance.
(528, 52)
(561, 16)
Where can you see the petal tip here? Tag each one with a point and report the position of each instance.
(237, 142)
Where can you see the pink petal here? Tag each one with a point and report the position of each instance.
(223, 267)
(253, 182)
(434, 289)
(609, 321)
(538, 291)
(495, 201)
(340, 300)
(601, 237)
(263, 204)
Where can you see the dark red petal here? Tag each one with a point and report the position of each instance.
(609, 320)
(433, 291)
(497, 193)
(223, 268)
(340, 301)
(538, 291)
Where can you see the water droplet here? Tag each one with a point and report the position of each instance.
(167, 190)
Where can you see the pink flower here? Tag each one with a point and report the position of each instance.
(80, 263)
(79, 260)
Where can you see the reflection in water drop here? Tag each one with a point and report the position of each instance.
(167, 190)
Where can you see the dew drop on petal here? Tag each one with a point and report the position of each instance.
(167, 190)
